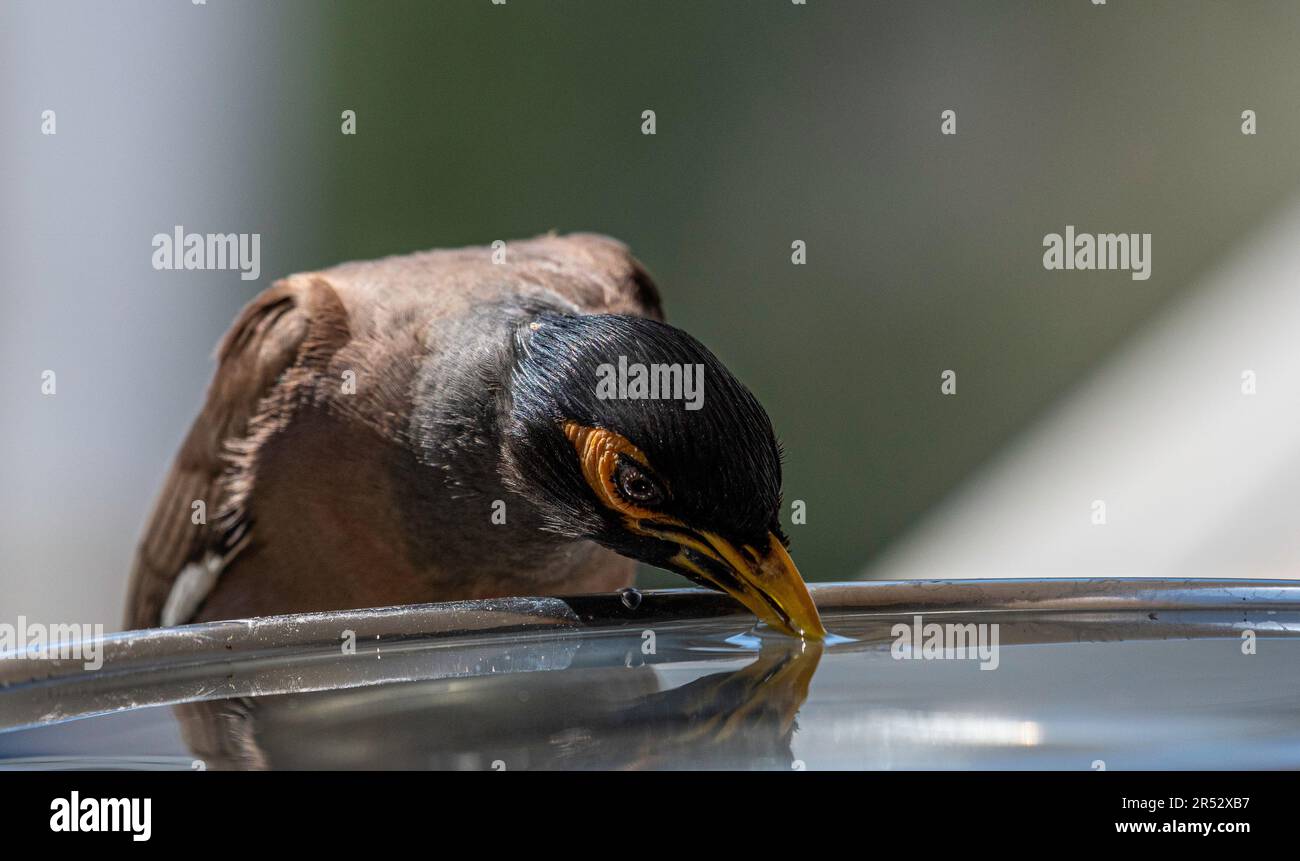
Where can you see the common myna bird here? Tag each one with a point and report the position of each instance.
(444, 426)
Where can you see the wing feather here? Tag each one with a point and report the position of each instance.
(265, 342)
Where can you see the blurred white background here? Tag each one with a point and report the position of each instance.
(1198, 477)
(130, 346)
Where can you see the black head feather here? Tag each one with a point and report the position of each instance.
(720, 464)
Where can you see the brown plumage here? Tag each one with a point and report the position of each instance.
(307, 485)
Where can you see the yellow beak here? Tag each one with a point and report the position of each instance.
(765, 580)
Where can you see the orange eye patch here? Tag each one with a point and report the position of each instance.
(598, 452)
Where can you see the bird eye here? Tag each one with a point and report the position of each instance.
(634, 485)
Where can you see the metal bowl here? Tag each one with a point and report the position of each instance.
(1061, 674)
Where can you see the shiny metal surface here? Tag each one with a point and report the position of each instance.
(1089, 674)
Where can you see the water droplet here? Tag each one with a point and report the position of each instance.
(631, 598)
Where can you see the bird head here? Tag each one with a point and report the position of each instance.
(630, 433)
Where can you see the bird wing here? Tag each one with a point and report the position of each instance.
(288, 334)
(273, 336)
(612, 282)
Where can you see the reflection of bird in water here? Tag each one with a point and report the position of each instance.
(447, 425)
(599, 717)
(740, 719)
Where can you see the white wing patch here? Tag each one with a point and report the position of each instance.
(190, 589)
